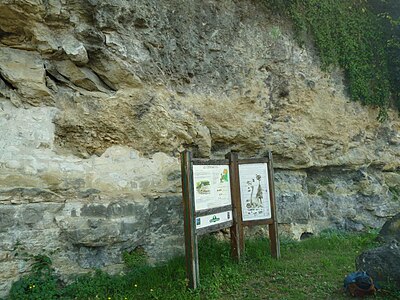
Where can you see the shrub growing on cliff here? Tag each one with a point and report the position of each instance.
(361, 36)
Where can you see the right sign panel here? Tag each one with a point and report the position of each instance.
(254, 191)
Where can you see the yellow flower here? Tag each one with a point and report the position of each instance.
(135, 285)
(151, 290)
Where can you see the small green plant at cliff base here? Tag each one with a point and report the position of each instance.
(135, 258)
(41, 283)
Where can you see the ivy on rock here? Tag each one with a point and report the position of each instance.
(358, 36)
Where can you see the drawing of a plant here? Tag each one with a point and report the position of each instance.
(250, 188)
(259, 194)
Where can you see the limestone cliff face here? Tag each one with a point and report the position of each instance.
(97, 98)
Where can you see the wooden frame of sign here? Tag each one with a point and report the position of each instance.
(208, 206)
(257, 194)
(212, 201)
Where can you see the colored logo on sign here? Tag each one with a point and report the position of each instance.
(214, 219)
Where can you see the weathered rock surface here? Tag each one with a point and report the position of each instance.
(24, 71)
(390, 230)
(98, 97)
(382, 263)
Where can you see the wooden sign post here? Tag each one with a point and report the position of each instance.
(228, 193)
(207, 202)
(257, 194)
(237, 234)
(191, 251)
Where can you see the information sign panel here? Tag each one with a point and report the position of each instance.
(254, 191)
(215, 196)
(211, 186)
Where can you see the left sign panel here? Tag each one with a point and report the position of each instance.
(211, 186)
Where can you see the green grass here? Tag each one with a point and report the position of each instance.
(310, 269)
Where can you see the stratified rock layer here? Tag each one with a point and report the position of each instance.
(97, 98)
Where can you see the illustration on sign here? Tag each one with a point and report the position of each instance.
(212, 187)
(213, 219)
(224, 176)
(254, 191)
(203, 187)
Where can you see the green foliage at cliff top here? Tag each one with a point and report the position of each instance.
(360, 36)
